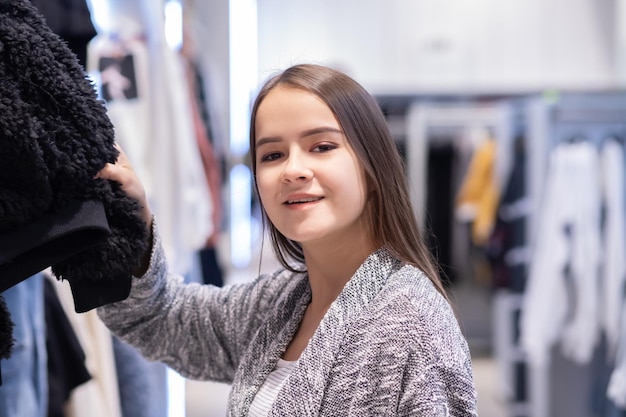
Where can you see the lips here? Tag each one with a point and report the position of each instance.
(302, 200)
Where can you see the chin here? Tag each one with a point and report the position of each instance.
(304, 238)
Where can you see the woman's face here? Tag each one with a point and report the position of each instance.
(309, 179)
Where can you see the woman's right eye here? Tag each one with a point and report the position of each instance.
(271, 156)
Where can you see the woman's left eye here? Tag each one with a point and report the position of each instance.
(324, 147)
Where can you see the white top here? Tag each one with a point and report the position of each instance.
(548, 318)
(264, 399)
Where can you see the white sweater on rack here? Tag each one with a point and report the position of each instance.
(559, 306)
(614, 249)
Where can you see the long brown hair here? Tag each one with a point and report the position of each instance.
(392, 219)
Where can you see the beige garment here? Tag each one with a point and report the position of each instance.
(99, 397)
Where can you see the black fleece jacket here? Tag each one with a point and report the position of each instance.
(54, 137)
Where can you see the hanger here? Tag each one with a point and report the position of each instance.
(576, 138)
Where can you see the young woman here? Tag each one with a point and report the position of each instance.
(357, 322)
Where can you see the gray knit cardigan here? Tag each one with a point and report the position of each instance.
(389, 345)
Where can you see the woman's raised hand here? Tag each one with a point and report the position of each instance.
(123, 173)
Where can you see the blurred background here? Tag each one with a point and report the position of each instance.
(510, 116)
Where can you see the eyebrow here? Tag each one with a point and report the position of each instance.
(310, 132)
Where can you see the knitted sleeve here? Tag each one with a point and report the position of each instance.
(201, 331)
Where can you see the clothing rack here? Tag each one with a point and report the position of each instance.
(590, 117)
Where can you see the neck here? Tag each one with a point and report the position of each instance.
(331, 267)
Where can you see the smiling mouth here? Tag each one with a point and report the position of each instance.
(302, 200)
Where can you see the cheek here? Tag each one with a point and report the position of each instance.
(359, 184)
(356, 173)
(353, 190)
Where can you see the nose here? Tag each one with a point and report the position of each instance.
(296, 168)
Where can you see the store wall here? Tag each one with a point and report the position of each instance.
(421, 46)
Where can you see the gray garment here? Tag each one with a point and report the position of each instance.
(389, 344)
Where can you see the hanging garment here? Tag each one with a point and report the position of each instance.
(66, 358)
(142, 383)
(613, 260)
(98, 397)
(71, 20)
(55, 137)
(149, 106)
(477, 200)
(66, 17)
(210, 163)
(614, 231)
(120, 66)
(616, 390)
(24, 392)
(209, 263)
(561, 299)
(6, 333)
(507, 248)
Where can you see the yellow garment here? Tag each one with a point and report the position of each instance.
(478, 197)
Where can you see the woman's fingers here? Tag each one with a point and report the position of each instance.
(121, 158)
(123, 173)
(107, 173)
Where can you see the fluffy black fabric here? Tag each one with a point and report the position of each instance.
(55, 136)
